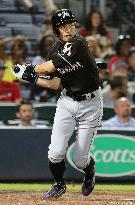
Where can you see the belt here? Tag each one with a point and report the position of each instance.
(80, 97)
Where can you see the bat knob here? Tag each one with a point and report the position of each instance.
(16, 69)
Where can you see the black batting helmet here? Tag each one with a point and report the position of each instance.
(61, 17)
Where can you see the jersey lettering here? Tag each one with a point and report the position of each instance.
(67, 49)
(68, 69)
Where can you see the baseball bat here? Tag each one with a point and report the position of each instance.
(101, 64)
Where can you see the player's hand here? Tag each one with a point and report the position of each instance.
(25, 72)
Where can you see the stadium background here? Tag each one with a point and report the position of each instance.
(17, 19)
(119, 16)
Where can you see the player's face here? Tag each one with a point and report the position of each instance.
(67, 31)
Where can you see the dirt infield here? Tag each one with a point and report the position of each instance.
(70, 198)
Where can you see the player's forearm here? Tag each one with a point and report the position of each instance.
(44, 68)
(52, 84)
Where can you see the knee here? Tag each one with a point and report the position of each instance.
(79, 163)
(55, 156)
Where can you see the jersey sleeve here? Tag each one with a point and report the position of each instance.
(67, 54)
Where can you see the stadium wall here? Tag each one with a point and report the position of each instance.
(23, 155)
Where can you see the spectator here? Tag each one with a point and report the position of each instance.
(8, 41)
(18, 55)
(118, 88)
(28, 4)
(25, 115)
(123, 118)
(9, 91)
(50, 5)
(97, 34)
(46, 28)
(131, 71)
(43, 48)
(11, 40)
(120, 68)
(39, 93)
(122, 47)
(131, 63)
(131, 32)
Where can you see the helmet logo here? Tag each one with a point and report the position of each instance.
(61, 17)
(64, 14)
(67, 49)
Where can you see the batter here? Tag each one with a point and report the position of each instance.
(80, 104)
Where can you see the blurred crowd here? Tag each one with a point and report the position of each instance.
(117, 81)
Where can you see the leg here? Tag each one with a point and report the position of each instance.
(83, 161)
(59, 187)
(90, 169)
(82, 146)
(63, 128)
(89, 119)
(57, 170)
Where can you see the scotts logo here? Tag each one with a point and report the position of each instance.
(114, 155)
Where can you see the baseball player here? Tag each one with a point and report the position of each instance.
(80, 103)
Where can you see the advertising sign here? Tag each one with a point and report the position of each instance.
(114, 155)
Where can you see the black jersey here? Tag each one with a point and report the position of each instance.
(75, 65)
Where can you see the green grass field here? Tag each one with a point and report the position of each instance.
(77, 187)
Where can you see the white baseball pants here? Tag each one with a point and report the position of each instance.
(86, 117)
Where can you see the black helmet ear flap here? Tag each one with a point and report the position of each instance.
(61, 17)
(56, 32)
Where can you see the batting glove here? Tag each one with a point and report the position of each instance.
(25, 72)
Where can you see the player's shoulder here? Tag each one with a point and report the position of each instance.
(54, 46)
(53, 50)
(78, 40)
